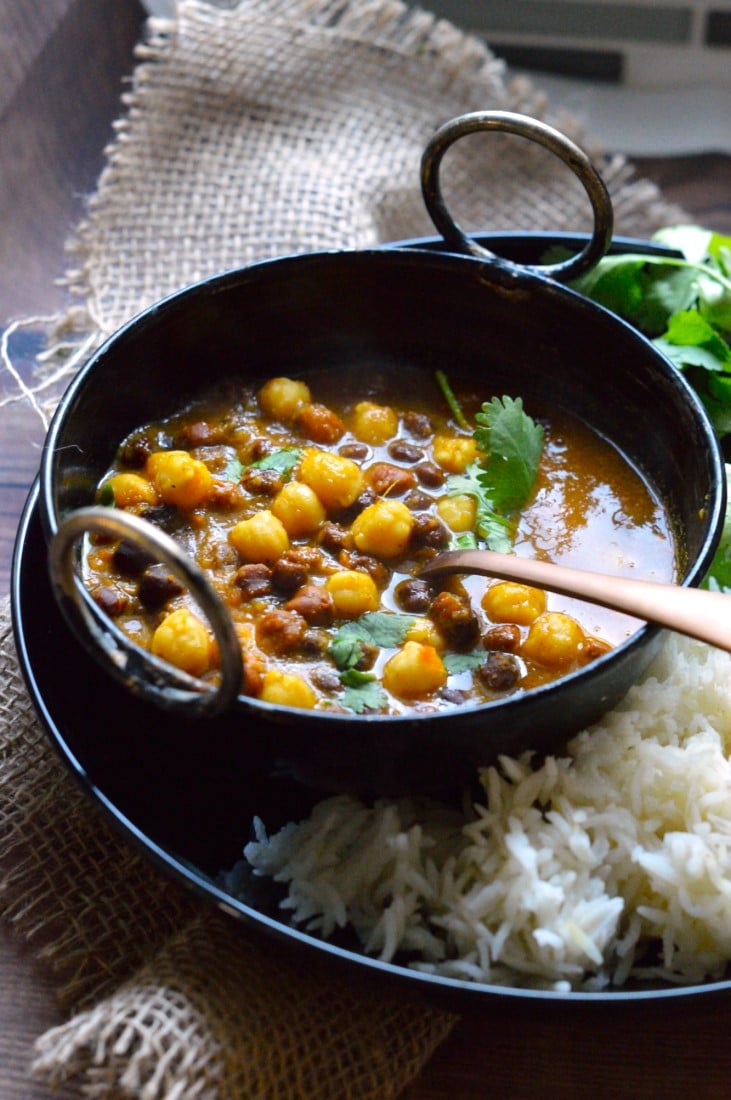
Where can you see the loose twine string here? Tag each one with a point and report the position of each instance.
(268, 128)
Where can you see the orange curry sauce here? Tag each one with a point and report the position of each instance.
(311, 508)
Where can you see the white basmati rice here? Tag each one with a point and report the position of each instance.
(609, 863)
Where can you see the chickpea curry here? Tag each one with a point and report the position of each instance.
(311, 506)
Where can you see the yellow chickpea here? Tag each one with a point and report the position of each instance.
(299, 509)
(425, 631)
(130, 489)
(414, 671)
(554, 640)
(336, 480)
(383, 528)
(510, 602)
(374, 423)
(353, 593)
(281, 398)
(183, 641)
(454, 453)
(261, 537)
(458, 512)
(286, 689)
(179, 478)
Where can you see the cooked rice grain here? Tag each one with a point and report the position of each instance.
(609, 863)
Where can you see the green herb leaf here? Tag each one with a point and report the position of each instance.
(682, 302)
(466, 541)
(353, 677)
(463, 662)
(718, 577)
(234, 469)
(449, 396)
(106, 496)
(494, 528)
(346, 650)
(282, 461)
(691, 341)
(385, 629)
(365, 696)
(511, 443)
(715, 392)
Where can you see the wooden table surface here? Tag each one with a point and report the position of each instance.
(54, 122)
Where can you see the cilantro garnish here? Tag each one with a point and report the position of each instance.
(282, 461)
(683, 304)
(106, 496)
(463, 662)
(449, 396)
(511, 443)
(384, 629)
(234, 469)
(366, 695)
(362, 691)
(718, 577)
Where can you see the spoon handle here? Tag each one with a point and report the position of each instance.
(693, 611)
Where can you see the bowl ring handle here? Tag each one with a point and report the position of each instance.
(556, 142)
(140, 671)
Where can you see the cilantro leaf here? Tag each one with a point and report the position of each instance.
(106, 496)
(282, 461)
(346, 649)
(234, 469)
(682, 302)
(463, 662)
(511, 443)
(718, 577)
(467, 540)
(715, 392)
(691, 340)
(368, 695)
(495, 529)
(386, 629)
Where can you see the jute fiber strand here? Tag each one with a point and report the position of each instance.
(249, 132)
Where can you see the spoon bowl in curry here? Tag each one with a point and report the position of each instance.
(695, 612)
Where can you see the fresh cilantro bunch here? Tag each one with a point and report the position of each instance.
(501, 481)
(682, 303)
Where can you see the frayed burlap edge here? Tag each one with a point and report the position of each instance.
(85, 901)
(218, 1014)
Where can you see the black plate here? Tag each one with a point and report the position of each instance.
(145, 772)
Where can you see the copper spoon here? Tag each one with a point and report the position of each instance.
(692, 611)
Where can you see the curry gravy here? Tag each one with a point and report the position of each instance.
(302, 568)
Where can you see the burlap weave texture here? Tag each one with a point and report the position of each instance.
(273, 127)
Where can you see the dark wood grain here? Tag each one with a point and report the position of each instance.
(59, 94)
(62, 64)
(700, 183)
(60, 80)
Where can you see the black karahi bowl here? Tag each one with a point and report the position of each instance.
(519, 332)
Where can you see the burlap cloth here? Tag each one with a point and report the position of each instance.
(276, 126)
